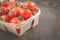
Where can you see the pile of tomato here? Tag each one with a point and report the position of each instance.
(16, 12)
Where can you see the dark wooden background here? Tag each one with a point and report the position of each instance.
(47, 29)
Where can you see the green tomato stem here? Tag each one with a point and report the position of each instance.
(20, 18)
(1, 9)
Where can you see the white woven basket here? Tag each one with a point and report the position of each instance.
(30, 23)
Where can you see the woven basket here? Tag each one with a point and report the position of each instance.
(22, 28)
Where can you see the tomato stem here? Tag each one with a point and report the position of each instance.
(33, 13)
(11, 11)
(25, 6)
(15, 5)
(20, 18)
(1, 9)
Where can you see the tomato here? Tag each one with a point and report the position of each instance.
(26, 14)
(34, 9)
(5, 18)
(17, 20)
(12, 13)
(5, 4)
(9, 7)
(3, 10)
(31, 5)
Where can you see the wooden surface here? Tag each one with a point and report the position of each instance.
(47, 29)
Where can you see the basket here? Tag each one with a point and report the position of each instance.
(20, 28)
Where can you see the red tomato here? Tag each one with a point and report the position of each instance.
(3, 10)
(32, 6)
(29, 3)
(34, 9)
(9, 7)
(27, 14)
(12, 13)
(21, 11)
(16, 20)
(5, 4)
(5, 18)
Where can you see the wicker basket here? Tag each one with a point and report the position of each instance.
(22, 28)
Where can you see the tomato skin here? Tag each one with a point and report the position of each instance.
(9, 7)
(27, 14)
(5, 4)
(15, 20)
(21, 11)
(31, 5)
(3, 10)
(34, 9)
(13, 13)
(24, 13)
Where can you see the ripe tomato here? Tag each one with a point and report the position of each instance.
(5, 4)
(17, 11)
(30, 3)
(3, 10)
(34, 9)
(21, 11)
(5, 18)
(32, 6)
(16, 20)
(9, 7)
(12, 13)
(26, 14)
